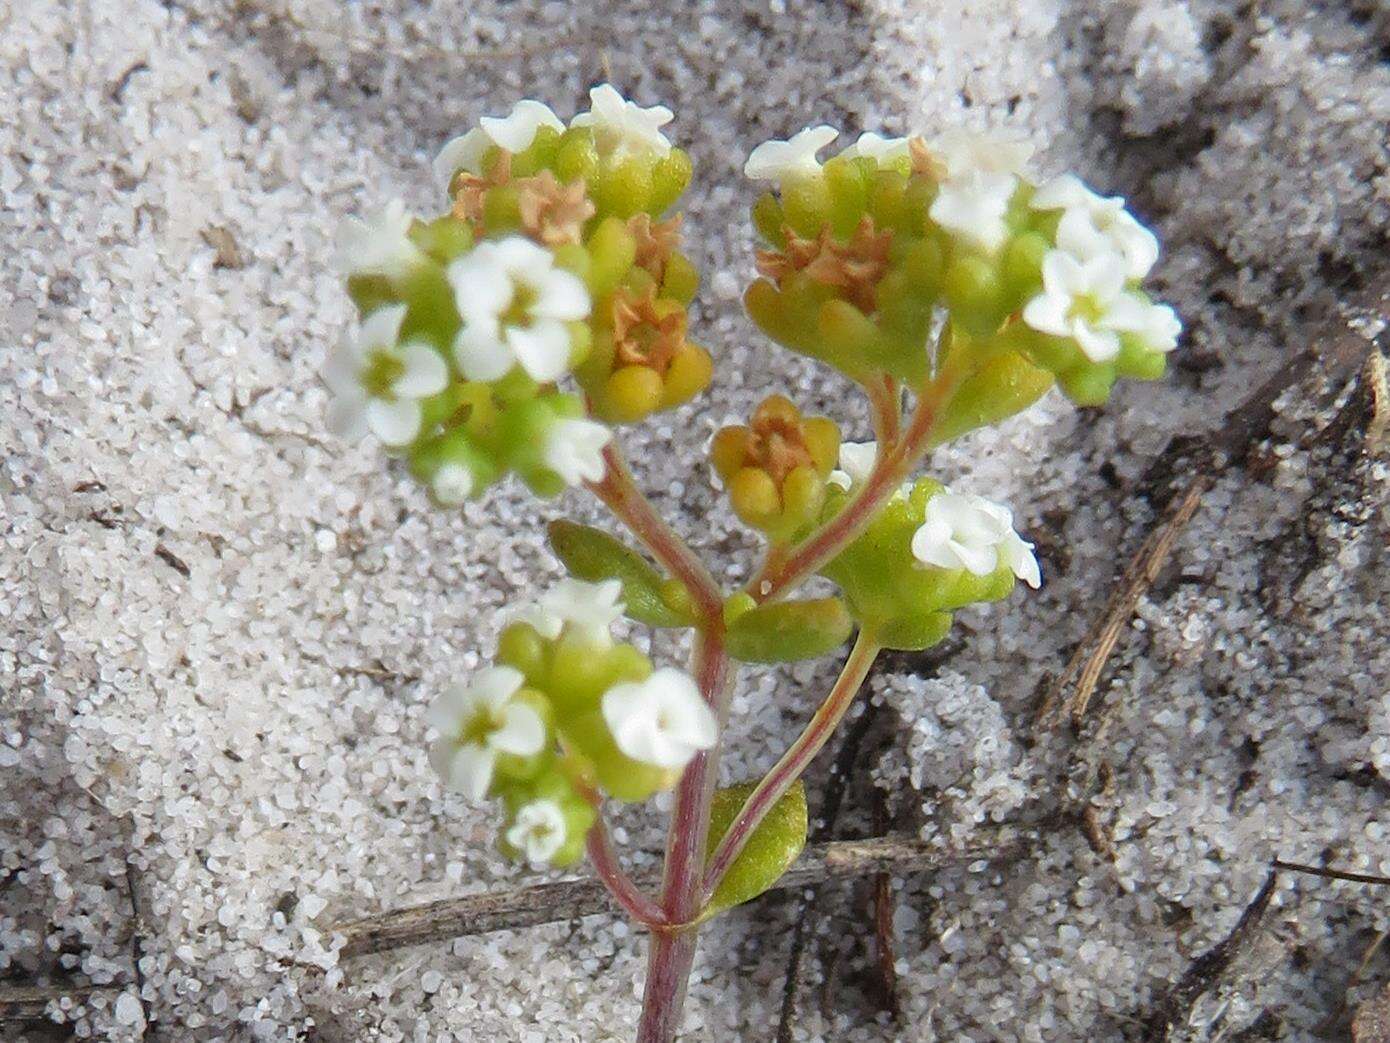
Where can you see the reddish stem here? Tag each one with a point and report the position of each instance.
(672, 951)
(793, 763)
(619, 491)
(893, 464)
(633, 900)
(885, 405)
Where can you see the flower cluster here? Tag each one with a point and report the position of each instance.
(553, 261)
(928, 552)
(776, 467)
(567, 714)
(869, 247)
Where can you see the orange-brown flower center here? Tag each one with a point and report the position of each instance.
(646, 333)
(853, 266)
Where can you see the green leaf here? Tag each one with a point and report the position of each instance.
(591, 554)
(1005, 385)
(770, 851)
(789, 630)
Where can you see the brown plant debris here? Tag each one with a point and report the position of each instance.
(647, 331)
(656, 241)
(1173, 1006)
(1371, 1022)
(552, 213)
(854, 267)
(570, 899)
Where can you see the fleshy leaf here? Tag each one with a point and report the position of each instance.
(592, 554)
(786, 631)
(770, 851)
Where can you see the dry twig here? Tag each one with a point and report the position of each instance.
(1175, 1005)
(30, 1002)
(570, 899)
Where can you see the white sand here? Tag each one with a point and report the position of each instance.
(221, 627)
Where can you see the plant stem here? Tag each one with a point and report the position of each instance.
(619, 491)
(885, 406)
(633, 900)
(672, 951)
(892, 467)
(794, 762)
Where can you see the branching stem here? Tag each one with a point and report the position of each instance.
(619, 492)
(794, 762)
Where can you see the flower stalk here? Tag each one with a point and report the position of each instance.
(550, 303)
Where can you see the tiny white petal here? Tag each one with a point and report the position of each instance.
(516, 131)
(874, 146)
(482, 286)
(588, 609)
(1047, 313)
(662, 721)
(1099, 345)
(965, 152)
(560, 295)
(493, 686)
(542, 348)
(574, 450)
(481, 353)
(492, 340)
(1086, 301)
(1093, 225)
(539, 830)
(521, 731)
(464, 152)
(973, 207)
(857, 460)
(516, 255)
(778, 160)
(395, 423)
(425, 373)
(452, 484)
(381, 328)
(347, 415)
(470, 770)
(376, 245)
(621, 125)
(545, 623)
(961, 531)
(1060, 193)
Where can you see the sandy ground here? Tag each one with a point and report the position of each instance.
(221, 627)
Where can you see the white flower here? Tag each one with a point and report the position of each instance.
(973, 207)
(478, 722)
(378, 245)
(624, 126)
(538, 831)
(857, 461)
(514, 133)
(1156, 326)
(874, 146)
(967, 151)
(574, 450)
(452, 484)
(961, 531)
(1087, 301)
(587, 609)
(378, 383)
(661, 721)
(778, 160)
(514, 303)
(1093, 225)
